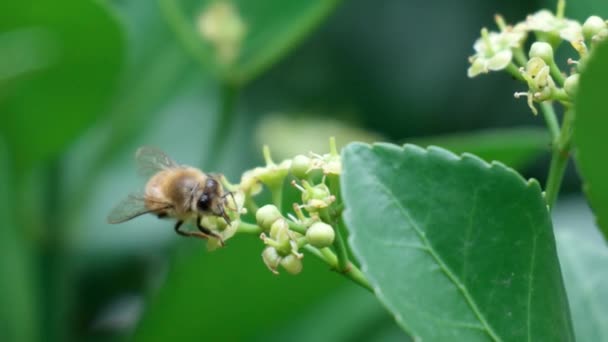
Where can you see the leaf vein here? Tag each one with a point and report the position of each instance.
(451, 276)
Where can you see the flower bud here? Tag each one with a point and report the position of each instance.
(592, 26)
(292, 264)
(279, 232)
(317, 192)
(300, 166)
(271, 259)
(543, 51)
(320, 235)
(571, 84)
(267, 215)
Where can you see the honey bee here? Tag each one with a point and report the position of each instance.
(175, 191)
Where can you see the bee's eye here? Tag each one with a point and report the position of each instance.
(204, 202)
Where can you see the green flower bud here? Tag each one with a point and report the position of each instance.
(271, 259)
(600, 36)
(571, 84)
(300, 165)
(267, 215)
(279, 232)
(317, 192)
(320, 235)
(592, 26)
(543, 51)
(292, 264)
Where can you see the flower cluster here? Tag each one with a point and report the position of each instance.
(312, 223)
(221, 25)
(503, 50)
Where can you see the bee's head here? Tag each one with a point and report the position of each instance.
(210, 198)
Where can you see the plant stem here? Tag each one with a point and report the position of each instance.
(559, 159)
(352, 272)
(248, 228)
(550, 120)
(277, 197)
(229, 97)
(250, 204)
(54, 260)
(557, 74)
(296, 227)
(338, 244)
(514, 71)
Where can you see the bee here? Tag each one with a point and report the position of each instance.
(174, 191)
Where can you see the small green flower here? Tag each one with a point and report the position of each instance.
(493, 51)
(234, 209)
(271, 175)
(546, 22)
(541, 86)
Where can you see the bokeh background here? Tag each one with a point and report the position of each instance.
(84, 83)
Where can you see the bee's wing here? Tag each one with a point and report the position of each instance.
(133, 206)
(151, 160)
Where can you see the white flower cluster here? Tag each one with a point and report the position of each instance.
(496, 50)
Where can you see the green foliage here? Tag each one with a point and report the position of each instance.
(18, 319)
(201, 286)
(590, 133)
(271, 29)
(455, 248)
(586, 276)
(83, 83)
(67, 46)
(515, 147)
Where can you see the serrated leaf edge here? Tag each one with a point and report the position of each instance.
(531, 184)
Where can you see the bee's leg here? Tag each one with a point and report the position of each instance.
(178, 231)
(223, 214)
(207, 231)
(231, 195)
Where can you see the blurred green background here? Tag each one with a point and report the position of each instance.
(84, 83)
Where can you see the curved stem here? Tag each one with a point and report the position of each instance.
(352, 272)
(229, 98)
(248, 228)
(559, 159)
(514, 71)
(550, 120)
(557, 74)
(296, 227)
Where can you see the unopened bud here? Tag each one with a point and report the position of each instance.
(300, 166)
(320, 235)
(292, 264)
(543, 51)
(571, 84)
(592, 26)
(267, 215)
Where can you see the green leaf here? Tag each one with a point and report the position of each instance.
(326, 320)
(581, 9)
(229, 294)
(584, 261)
(590, 127)
(516, 147)
(457, 249)
(272, 28)
(18, 314)
(50, 98)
